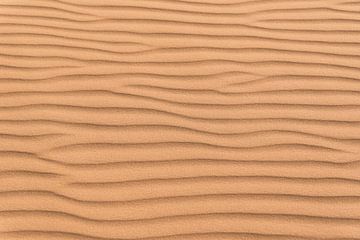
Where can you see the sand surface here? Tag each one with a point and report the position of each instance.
(179, 119)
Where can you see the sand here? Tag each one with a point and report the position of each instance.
(179, 119)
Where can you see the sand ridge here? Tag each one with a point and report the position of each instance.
(179, 119)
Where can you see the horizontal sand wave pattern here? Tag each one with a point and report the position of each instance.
(179, 119)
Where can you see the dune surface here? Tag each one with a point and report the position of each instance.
(179, 119)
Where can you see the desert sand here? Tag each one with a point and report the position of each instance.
(179, 119)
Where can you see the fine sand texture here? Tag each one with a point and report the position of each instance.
(179, 119)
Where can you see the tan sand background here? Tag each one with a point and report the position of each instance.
(179, 119)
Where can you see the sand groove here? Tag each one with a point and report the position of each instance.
(179, 119)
